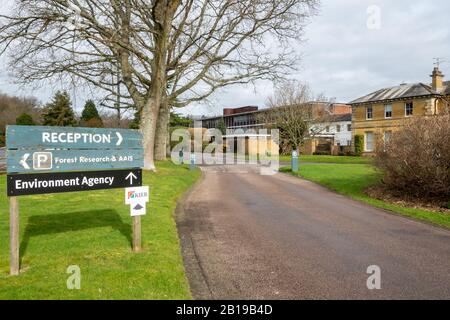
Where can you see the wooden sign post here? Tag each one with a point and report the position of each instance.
(137, 242)
(137, 198)
(14, 236)
(43, 160)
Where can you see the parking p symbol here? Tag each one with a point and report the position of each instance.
(42, 161)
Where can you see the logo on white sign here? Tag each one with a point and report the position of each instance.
(137, 198)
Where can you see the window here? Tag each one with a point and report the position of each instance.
(388, 111)
(369, 113)
(349, 143)
(327, 128)
(409, 109)
(349, 127)
(369, 141)
(338, 128)
(387, 136)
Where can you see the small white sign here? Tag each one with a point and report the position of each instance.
(138, 209)
(138, 194)
(137, 198)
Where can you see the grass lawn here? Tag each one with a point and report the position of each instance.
(93, 231)
(352, 179)
(329, 159)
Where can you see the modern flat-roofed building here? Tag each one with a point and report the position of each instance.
(338, 122)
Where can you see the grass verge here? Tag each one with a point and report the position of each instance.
(92, 230)
(352, 179)
(329, 159)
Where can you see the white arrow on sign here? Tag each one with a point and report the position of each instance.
(119, 142)
(23, 162)
(130, 177)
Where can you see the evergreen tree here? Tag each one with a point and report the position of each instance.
(90, 116)
(59, 111)
(135, 123)
(177, 120)
(25, 120)
(221, 126)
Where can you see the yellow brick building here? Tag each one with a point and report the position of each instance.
(380, 114)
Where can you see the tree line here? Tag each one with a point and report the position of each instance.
(157, 54)
(60, 112)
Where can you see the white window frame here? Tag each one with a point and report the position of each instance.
(412, 109)
(386, 111)
(387, 136)
(367, 112)
(366, 140)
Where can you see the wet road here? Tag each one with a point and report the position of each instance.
(247, 236)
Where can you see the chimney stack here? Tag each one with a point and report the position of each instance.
(438, 80)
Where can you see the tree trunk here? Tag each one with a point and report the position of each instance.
(148, 127)
(162, 132)
(162, 13)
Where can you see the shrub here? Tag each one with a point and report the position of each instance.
(25, 120)
(359, 145)
(416, 160)
(2, 139)
(93, 123)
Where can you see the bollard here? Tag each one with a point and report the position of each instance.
(192, 165)
(294, 161)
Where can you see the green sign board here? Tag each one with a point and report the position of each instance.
(31, 137)
(56, 149)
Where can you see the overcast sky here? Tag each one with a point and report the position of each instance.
(344, 58)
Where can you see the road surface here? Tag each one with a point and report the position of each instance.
(247, 236)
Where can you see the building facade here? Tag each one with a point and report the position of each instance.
(377, 116)
(327, 136)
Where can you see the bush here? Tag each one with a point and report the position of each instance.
(416, 160)
(321, 153)
(359, 145)
(93, 123)
(25, 120)
(2, 140)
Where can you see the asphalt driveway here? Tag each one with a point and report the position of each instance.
(247, 236)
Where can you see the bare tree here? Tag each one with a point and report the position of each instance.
(183, 50)
(296, 113)
(11, 107)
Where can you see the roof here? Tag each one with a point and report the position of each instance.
(446, 90)
(399, 92)
(341, 117)
(205, 118)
